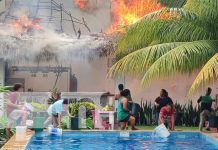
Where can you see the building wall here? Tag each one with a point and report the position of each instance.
(2, 6)
(92, 76)
(2, 73)
(43, 84)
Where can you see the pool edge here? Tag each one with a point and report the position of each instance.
(17, 145)
(12, 144)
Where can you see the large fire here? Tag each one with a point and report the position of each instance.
(126, 12)
(24, 24)
(82, 4)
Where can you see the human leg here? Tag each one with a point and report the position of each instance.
(17, 113)
(202, 119)
(132, 122)
(54, 121)
(123, 125)
(157, 118)
(48, 121)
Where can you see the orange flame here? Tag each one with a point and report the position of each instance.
(126, 12)
(24, 24)
(82, 4)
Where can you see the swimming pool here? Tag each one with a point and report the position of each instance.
(113, 141)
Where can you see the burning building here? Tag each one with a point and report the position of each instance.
(45, 33)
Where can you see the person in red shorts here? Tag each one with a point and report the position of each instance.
(167, 116)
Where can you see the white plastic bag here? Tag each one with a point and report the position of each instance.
(162, 131)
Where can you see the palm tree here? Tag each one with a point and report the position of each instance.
(172, 41)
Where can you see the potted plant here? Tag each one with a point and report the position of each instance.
(74, 111)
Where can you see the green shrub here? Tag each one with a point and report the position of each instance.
(38, 106)
(89, 123)
(74, 107)
(186, 115)
(64, 122)
(5, 88)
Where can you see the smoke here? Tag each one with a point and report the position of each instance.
(88, 6)
(47, 45)
(27, 37)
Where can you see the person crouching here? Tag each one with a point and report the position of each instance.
(167, 116)
(56, 111)
(123, 113)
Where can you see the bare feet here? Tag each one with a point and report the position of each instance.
(135, 128)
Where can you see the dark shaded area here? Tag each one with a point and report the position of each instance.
(172, 3)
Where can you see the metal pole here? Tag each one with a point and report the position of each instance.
(71, 18)
(61, 21)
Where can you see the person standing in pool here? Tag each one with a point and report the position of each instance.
(161, 101)
(123, 113)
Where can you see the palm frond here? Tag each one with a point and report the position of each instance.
(205, 9)
(180, 12)
(139, 61)
(207, 74)
(152, 32)
(184, 58)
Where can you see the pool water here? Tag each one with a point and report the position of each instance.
(113, 141)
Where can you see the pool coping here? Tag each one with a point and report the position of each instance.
(12, 144)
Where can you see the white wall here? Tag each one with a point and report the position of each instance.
(2, 6)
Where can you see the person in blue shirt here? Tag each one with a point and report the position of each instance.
(55, 111)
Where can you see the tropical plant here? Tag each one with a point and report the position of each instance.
(186, 115)
(5, 88)
(64, 122)
(172, 3)
(89, 123)
(172, 41)
(3, 124)
(74, 107)
(38, 106)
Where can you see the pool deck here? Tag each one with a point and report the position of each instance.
(12, 144)
(213, 135)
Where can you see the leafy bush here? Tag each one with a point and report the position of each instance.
(38, 106)
(64, 122)
(3, 124)
(5, 88)
(89, 123)
(186, 115)
(74, 107)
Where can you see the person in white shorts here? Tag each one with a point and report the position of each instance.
(14, 110)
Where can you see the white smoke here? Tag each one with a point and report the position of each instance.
(47, 44)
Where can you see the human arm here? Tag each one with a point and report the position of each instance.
(199, 100)
(9, 103)
(125, 104)
(117, 96)
(172, 119)
(156, 104)
(161, 118)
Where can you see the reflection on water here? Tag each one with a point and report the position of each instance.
(112, 140)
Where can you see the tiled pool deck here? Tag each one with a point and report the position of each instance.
(12, 144)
